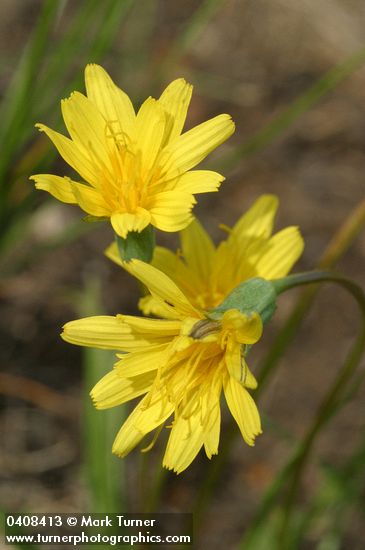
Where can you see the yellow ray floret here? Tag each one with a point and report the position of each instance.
(182, 362)
(207, 274)
(134, 168)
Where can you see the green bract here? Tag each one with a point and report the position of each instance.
(256, 295)
(137, 245)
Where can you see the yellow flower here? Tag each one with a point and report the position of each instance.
(181, 362)
(207, 274)
(135, 168)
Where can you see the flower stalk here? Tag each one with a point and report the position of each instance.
(310, 277)
(334, 398)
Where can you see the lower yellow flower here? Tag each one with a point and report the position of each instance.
(181, 363)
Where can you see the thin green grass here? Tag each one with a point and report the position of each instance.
(15, 107)
(300, 106)
(105, 473)
(188, 35)
(39, 81)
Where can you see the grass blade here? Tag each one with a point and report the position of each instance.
(301, 105)
(22, 112)
(105, 473)
(189, 34)
(196, 24)
(16, 105)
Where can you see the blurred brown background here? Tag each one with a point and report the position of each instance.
(252, 59)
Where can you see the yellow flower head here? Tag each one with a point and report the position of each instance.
(181, 363)
(135, 168)
(207, 274)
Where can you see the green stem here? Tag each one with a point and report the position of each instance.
(336, 248)
(310, 277)
(334, 398)
(292, 471)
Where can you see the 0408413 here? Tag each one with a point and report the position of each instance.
(23, 520)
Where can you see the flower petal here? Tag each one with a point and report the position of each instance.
(125, 222)
(112, 252)
(106, 332)
(162, 287)
(233, 360)
(114, 389)
(186, 439)
(175, 100)
(248, 238)
(248, 379)
(111, 101)
(197, 423)
(171, 210)
(165, 260)
(199, 181)
(246, 329)
(88, 128)
(145, 417)
(198, 250)
(72, 154)
(150, 305)
(159, 328)
(256, 223)
(174, 267)
(243, 409)
(237, 366)
(150, 129)
(170, 264)
(90, 200)
(212, 431)
(193, 146)
(236, 258)
(57, 186)
(140, 362)
(280, 254)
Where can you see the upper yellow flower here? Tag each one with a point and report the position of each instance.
(181, 362)
(207, 274)
(135, 168)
